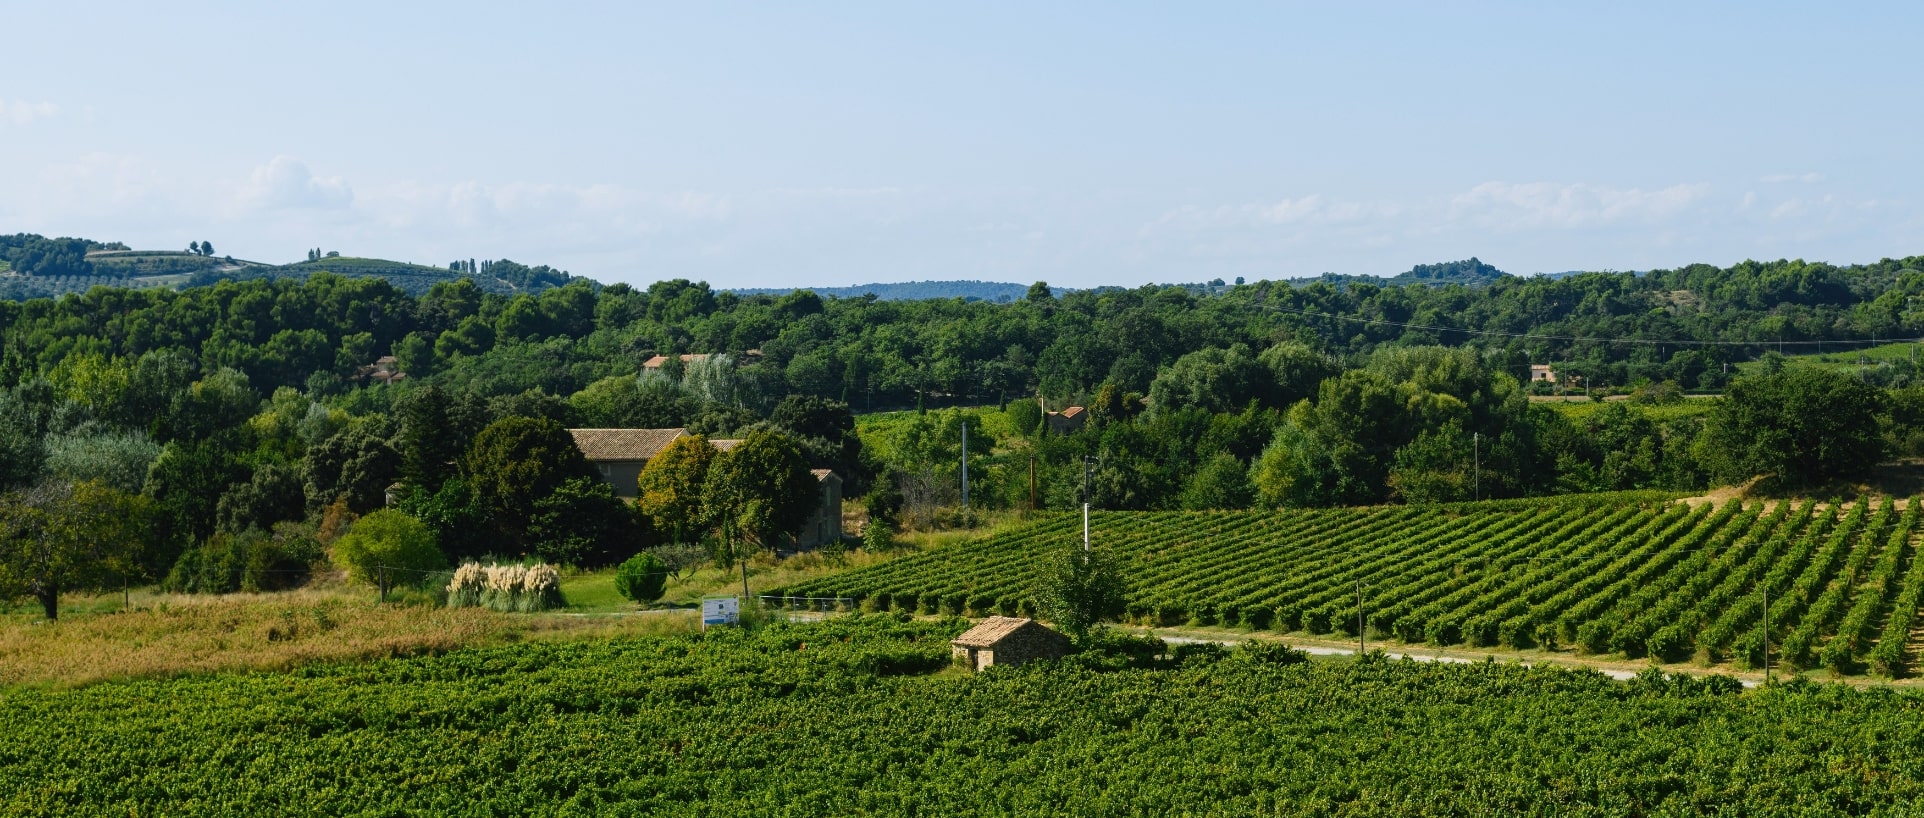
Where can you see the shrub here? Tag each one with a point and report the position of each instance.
(643, 578)
(509, 588)
(250, 561)
(387, 548)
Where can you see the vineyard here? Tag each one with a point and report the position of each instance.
(860, 716)
(1632, 576)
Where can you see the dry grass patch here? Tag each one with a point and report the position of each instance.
(178, 635)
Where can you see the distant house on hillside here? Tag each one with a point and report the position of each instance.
(658, 360)
(1542, 373)
(747, 357)
(385, 369)
(1004, 640)
(1066, 422)
(619, 454)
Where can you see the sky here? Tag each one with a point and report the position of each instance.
(825, 144)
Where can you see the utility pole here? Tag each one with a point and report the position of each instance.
(965, 470)
(1032, 481)
(1086, 468)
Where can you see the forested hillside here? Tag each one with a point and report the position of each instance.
(240, 407)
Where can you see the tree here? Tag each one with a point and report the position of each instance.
(1039, 292)
(1222, 483)
(62, 536)
(207, 248)
(388, 548)
(1215, 379)
(825, 429)
(671, 485)
(355, 465)
(193, 247)
(274, 494)
(643, 578)
(758, 493)
(428, 443)
(1802, 424)
(1082, 590)
(118, 459)
(539, 495)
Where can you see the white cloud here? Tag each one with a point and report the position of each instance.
(21, 112)
(1780, 178)
(1535, 205)
(285, 183)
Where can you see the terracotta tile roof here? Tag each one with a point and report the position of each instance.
(1072, 411)
(992, 630)
(820, 474)
(725, 444)
(623, 444)
(658, 360)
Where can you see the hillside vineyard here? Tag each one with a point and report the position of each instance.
(856, 716)
(1661, 579)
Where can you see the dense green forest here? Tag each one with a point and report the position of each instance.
(241, 408)
(861, 717)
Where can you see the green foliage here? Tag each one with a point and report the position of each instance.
(251, 561)
(1214, 379)
(1627, 574)
(760, 492)
(1805, 426)
(387, 549)
(671, 485)
(1243, 734)
(355, 464)
(117, 459)
(541, 497)
(58, 536)
(642, 578)
(1222, 483)
(1082, 589)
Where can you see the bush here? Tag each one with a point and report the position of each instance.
(643, 579)
(250, 561)
(387, 548)
(509, 588)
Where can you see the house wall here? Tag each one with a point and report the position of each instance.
(825, 524)
(622, 475)
(1026, 645)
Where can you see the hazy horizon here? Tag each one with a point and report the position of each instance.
(1083, 145)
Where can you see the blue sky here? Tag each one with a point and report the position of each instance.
(789, 144)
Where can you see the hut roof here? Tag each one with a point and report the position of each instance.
(992, 630)
(623, 444)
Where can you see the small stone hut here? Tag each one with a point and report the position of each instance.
(1005, 640)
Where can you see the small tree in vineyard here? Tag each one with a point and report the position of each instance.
(1082, 590)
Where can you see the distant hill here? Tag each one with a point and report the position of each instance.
(996, 291)
(33, 266)
(415, 279)
(1470, 272)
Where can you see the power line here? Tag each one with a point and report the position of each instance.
(1582, 338)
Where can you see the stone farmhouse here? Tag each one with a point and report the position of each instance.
(1005, 640)
(620, 454)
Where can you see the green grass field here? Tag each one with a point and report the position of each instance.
(1847, 357)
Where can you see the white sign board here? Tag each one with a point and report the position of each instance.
(720, 610)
